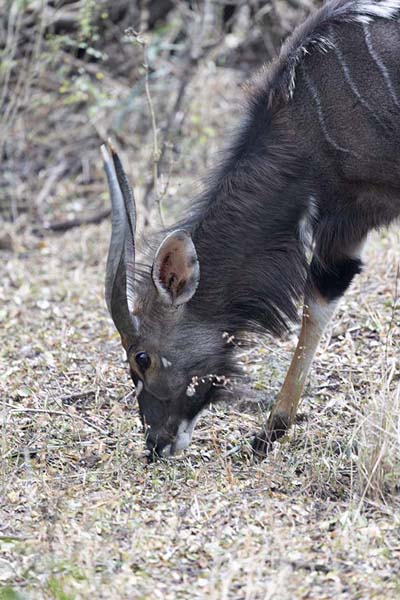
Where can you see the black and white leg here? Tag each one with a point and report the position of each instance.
(325, 288)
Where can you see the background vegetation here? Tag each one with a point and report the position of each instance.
(81, 513)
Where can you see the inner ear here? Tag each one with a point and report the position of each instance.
(176, 271)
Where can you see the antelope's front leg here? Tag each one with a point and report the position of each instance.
(326, 289)
(317, 313)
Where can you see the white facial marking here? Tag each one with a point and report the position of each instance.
(166, 363)
(139, 388)
(184, 434)
(166, 451)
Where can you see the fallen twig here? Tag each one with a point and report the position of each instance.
(77, 395)
(71, 223)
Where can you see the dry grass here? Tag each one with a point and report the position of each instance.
(83, 515)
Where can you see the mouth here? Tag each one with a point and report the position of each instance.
(182, 439)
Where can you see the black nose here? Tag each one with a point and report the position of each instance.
(157, 444)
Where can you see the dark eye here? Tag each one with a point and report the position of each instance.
(143, 360)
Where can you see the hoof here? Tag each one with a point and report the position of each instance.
(277, 427)
(261, 444)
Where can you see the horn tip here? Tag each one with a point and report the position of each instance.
(106, 148)
(111, 147)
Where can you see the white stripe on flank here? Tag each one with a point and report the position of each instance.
(350, 11)
(379, 63)
(353, 85)
(321, 118)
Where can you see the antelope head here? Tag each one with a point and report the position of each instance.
(176, 357)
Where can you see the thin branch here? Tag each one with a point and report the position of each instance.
(197, 50)
(156, 151)
(141, 40)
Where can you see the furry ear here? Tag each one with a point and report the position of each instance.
(176, 270)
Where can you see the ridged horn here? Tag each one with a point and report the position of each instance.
(120, 274)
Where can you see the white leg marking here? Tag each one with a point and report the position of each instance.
(320, 314)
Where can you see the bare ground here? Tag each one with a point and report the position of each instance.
(82, 514)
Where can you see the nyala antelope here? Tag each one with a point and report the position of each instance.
(314, 167)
